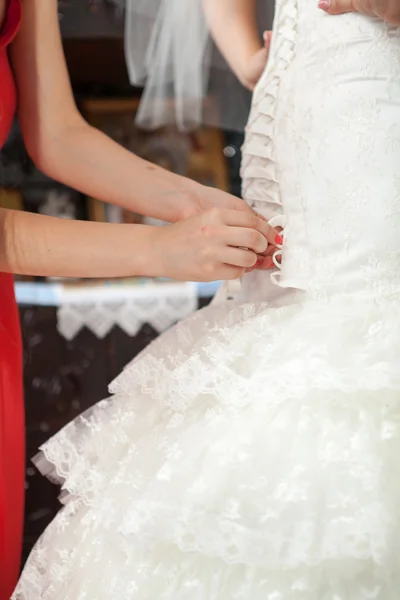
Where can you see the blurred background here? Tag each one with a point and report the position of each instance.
(78, 335)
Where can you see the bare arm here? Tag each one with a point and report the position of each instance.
(214, 245)
(37, 245)
(207, 246)
(66, 148)
(233, 25)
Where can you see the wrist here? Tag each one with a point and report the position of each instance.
(149, 251)
(189, 200)
(172, 196)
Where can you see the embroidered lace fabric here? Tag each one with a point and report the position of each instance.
(158, 305)
(251, 452)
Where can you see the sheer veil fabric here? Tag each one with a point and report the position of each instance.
(169, 51)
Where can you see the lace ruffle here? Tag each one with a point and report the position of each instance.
(181, 576)
(256, 350)
(249, 357)
(260, 187)
(283, 463)
(260, 180)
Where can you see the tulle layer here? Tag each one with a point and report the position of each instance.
(259, 460)
(259, 352)
(173, 574)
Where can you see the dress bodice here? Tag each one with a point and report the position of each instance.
(326, 107)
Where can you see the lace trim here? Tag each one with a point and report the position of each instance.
(172, 462)
(177, 381)
(101, 309)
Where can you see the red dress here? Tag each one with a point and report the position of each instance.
(12, 449)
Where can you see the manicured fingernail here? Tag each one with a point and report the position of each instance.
(324, 4)
(278, 239)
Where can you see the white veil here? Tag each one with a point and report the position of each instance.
(186, 81)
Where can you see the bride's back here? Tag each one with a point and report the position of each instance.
(323, 148)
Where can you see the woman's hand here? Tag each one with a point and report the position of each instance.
(218, 244)
(387, 10)
(255, 64)
(203, 199)
(199, 199)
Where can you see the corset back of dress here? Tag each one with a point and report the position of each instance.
(323, 148)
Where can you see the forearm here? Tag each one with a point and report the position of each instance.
(84, 158)
(233, 25)
(45, 246)
(63, 145)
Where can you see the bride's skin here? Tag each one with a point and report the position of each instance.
(210, 228)
(236, 20)
(387, 10)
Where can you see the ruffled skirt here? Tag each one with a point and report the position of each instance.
(250, 453)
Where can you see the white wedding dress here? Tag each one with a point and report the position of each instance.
(253, 451)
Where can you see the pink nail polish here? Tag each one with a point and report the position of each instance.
(278, 239)
(324, 4)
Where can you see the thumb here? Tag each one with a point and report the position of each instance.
(337, 7)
